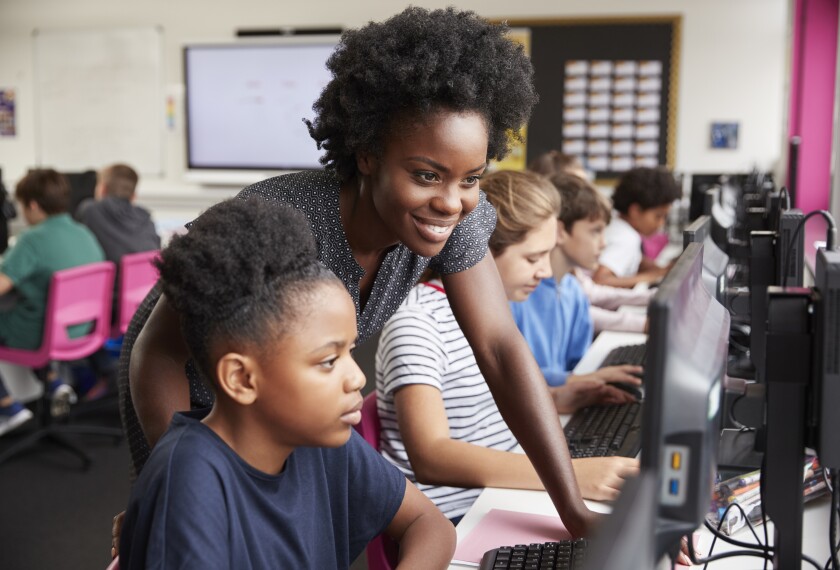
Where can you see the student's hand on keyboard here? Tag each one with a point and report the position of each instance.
(601, 478)
(587, 392)
(626, 373)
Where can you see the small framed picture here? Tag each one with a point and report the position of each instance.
(724, 135)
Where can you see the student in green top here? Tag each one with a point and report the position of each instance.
(53, 242)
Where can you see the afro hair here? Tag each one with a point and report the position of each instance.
(415, 63)
(237, 273)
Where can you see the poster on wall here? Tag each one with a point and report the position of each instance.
(7, 113)
(611, 112)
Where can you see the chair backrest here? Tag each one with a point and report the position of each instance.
(77, 296)
(382, 552)
(369, 428)
(137, 276)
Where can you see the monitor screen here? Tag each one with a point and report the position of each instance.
(245, 103)
(686, 357)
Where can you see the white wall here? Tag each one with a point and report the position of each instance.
(733, 66)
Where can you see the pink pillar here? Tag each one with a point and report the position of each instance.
(814, 67)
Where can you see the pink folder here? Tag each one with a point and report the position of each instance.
(499, 527)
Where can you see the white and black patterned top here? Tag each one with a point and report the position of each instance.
(316, 195)
(423, 344)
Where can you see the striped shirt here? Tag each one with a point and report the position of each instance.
(422, 344)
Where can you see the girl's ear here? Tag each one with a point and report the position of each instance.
(236, 375)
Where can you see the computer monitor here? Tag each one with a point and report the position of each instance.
(625, 542)
(686, 357)
(826, 394)
(246, 101)
(715, 261)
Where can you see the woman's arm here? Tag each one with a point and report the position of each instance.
(426, 537)
(478, 301)
(159, 386)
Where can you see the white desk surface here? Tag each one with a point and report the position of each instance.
(815, 524)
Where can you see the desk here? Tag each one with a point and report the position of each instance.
(816, 519)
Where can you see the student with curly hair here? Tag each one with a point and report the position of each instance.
(642, 200)
(417, 106)
(273, 475)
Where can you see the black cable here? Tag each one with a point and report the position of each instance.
(784, 192)
(832, 527)
(830, 237)
(761, 500)
(731, 413)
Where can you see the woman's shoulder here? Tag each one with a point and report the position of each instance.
(307, 187)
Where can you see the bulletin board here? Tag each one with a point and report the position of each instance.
(608, 90)
(98, 98)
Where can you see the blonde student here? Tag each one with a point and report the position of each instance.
(441, 426)
(273, 475)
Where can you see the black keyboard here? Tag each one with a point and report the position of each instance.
(627, 354)
(561, 555)
(599, 431)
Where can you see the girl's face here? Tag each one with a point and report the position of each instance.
(311, 382)
(584, 243)
(426, 179)
(523, 265)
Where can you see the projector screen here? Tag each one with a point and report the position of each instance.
(245, 103)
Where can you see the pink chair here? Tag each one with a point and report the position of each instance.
(382, 552)
(137, 276)
(77, 296)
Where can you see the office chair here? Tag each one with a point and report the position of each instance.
(79, 295)
(137, 276)
(382, 552)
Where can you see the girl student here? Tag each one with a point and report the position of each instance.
(440, 425)
(417, 106)
(273, 475)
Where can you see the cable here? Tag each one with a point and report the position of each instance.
(784, 192)
(832, 527)
(830, 237)
(734, 420)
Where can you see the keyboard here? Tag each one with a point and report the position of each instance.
(627, 354)
(600, 431)
(561, 555)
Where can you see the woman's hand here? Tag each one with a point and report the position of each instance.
(601, 478)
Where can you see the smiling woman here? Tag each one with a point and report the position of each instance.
(417, 106)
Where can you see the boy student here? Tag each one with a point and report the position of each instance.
(273, 475)
(440, 425)
(555, 319)
(642, 200)
(53, 242)
(120, 226)
(604, 300)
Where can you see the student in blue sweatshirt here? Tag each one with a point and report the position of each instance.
(555, 319)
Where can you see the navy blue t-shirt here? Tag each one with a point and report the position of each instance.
(197, 504)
